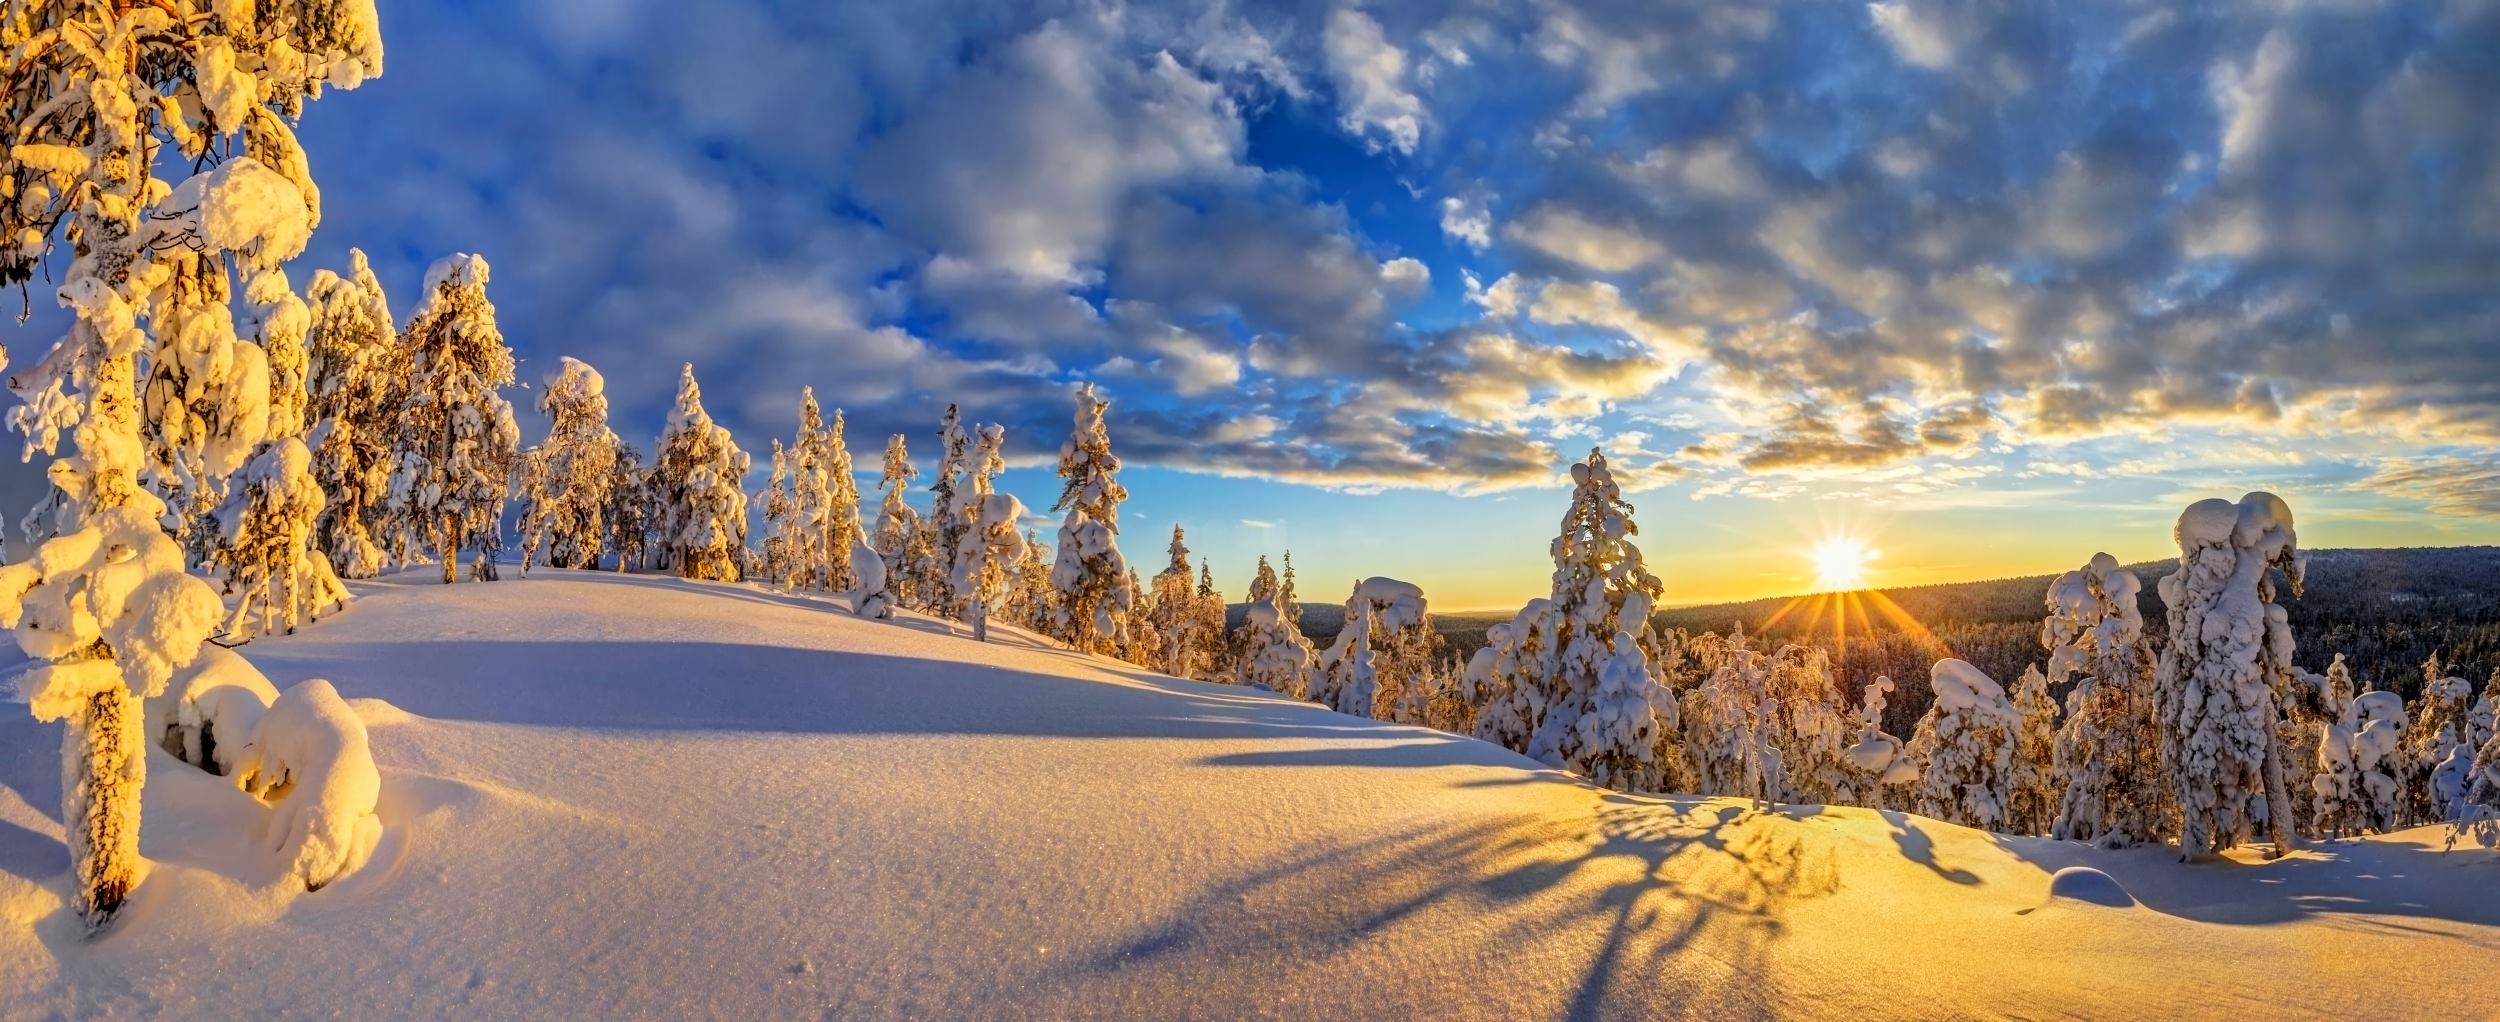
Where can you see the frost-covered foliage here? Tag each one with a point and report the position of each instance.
(1380, 663)
(1726, 727)
(699, 508)
(1094, 598)
(780, 509)
(2359, 783)
(310, 760)
(2441, 719)
(1965, 746)
(628, 514)
(264, 544)
(2229, 653)
(206, 713)
(1029, 591)
(1546, 676)
(2109, 749)
(1274, 655)
(2038, 788)
(91, 95)
(356, 373)
(828, 499)
(568, 476)
(454, 440)
(898, 533)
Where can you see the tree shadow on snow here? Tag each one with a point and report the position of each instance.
(2334, 882)
(1582, 913)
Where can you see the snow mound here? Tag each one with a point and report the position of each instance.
(309, 757)
(380, 713)
(208, 711)
(2088, 886)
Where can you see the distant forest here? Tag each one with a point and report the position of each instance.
(2386, 610)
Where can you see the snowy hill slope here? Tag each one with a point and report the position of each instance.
(612, 797)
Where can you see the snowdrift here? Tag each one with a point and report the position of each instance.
(613, 797)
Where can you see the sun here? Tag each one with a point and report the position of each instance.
(1840, 563)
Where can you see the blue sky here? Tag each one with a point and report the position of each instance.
(1993, 285)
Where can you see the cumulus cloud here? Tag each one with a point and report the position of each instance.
(1370, 74)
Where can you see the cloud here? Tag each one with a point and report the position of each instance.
(1567, 234)
(2467, 487)
(1370, 74)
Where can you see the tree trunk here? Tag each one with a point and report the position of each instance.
(103, 766)
(448, 548)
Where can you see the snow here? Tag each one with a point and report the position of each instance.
(310, 758)
(582, 816)
(207, 712)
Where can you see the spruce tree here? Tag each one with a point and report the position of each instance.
(2227, 657)
(454, 440)
(697, 480)
(1095, 597)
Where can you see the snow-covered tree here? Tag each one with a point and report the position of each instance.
(628, 514)
(1965, 745)
(2229, 651)
(456, 445)
(1208, 629)
(898, 526)
(2441, 719)
(1726, 729)
(775, 562)
(2360, 768)
(1176, 615)
(1885, 777)
(564, 503)
(1505, 680)
(1576, 715)
(1140, 644)
(1288, 600)
(2038, 788)
(1377, 665)
(697, 484)
(90, 94)
(990, 542)
(1029, 590)
(2109, 749)
(2482, 782)
(1095, 600)
(264, 546)
(870, 596)
(356, 372)
(829, 500)
(1274, 655)
(946, 523)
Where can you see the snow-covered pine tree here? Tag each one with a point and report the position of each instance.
(979, 576)
(2359, 783)
(356, 373)
(1094, 599)
(1376, 667)
(1885, 777)
(627, 516)
(898, 526)
(834, 495)
(91, 93)
(2229, 650)
(2440, 717)
(797, 548)
(1725, 726)
(1142, 645)
(1288, 599)
(204, 404)
(261, 539)
(777, 565)
(570, 472)
(1213, 648)
(456, 444)
(1175, 613)
(1966, 743)
(1274, 655)
(946, 524)
(698, 482)
(2109, 748)
(1580, 718)
(2038, 789)
(1505, 681)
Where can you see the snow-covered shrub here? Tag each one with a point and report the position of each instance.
(697, 486)
(2038, 788)
(264, 544)
(1883, 776)
(2230, 648)
(1726, 728)
(1274, 655)
(1095, 600)
(1966, 747)
(1506, 680)
(309, 759)
(2482, 782)
(570, 473)
(2450, 778)
(454, 439)
(206, 713)
(355, 372)
(2108, 751)
(870, 596)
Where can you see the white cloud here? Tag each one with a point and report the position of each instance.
(1916, 37)
(1370, 74)
(1469, 220)
(1564, 233)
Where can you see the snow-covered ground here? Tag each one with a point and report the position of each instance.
(610, 797)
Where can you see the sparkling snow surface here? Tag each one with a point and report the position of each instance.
(614, 797)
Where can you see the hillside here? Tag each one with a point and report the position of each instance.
(610, 796)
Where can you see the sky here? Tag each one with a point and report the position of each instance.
(1985, 286)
